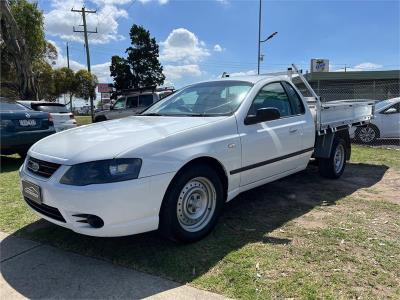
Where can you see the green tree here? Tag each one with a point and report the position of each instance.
(30, 23)
(23, 44)
(85, 85)
(141, 67)
(121, 72)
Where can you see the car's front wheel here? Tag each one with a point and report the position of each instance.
(192, 204)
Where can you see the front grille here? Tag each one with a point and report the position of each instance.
(46, 210)
(41, 168)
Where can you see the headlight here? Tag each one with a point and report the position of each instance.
(103, 171)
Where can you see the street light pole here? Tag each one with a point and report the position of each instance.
(259, 39)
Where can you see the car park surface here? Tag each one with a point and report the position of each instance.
(299, 236)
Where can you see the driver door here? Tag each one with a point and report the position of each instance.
(273, 147)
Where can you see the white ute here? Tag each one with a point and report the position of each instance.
(174, 166)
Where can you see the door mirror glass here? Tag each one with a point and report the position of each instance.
(391, 110)
(263, 115)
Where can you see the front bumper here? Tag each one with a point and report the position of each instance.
(127, 207)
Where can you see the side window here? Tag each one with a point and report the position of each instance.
(132, 102)
(119, 104)
(394, 109)
(272, 95)
(145, 100)
(295, 100)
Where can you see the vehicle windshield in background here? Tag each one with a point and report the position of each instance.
(383, 103)
(51, 108)
(8, 105)
(216, 98)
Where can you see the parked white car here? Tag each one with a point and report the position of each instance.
(173, 167)
(62, 118)
(386, 123)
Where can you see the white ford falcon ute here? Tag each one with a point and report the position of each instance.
(174, 166)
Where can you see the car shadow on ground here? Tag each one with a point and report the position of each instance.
(249, 218)
(10, 163)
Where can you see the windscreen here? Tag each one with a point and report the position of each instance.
(52, 108)
(214, 98)
(5, 105)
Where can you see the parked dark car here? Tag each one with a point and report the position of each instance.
(21, 127)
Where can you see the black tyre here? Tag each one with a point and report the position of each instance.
(192, 204)
(367, 134)
(333, 167)
(100, 119)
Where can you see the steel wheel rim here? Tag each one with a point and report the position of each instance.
(367, 134)
(196, 204)
(339, 158)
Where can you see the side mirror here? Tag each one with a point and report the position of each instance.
(263, 115)
(391, 110)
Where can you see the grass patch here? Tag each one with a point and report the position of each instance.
(376, 156)
(300, 237)
(83, 120)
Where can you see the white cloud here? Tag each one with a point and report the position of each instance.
(102, 71)
(218, 48)
(177, 72)
(243, 73)
(366, 66)
(162, 2)
(111, 2)
(183, 46)
(60, 20)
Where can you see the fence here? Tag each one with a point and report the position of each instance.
(384, 130)
(371, 89)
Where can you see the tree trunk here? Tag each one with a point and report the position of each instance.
(13, 44)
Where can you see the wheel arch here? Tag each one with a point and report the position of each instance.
(211, 161)
(323, 144)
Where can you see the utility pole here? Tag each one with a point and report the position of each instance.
(83, 11)
(259, 39)
(70, 94)
(67, 56)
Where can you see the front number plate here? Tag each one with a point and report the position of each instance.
(32, 191)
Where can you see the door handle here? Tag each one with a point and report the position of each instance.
(293, 130)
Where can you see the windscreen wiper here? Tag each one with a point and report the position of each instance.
(151, 114)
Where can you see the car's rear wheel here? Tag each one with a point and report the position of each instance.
(192, 204)
(333, 167)
(367, 134)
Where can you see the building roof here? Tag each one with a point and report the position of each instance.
(354, 75)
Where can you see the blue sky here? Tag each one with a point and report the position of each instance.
(201, 39)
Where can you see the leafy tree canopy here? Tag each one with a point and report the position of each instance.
(141, 67)
(85, 85)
